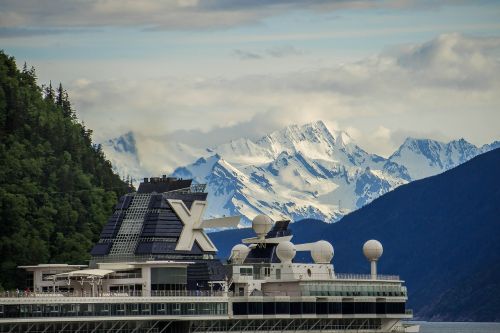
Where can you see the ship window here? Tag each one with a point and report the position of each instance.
(322, 308)
(308, 307)
(309, 273)
(246, 271)
(295, 308)
(267, 271)
(278, 273)
(169, 275)
(254, 308)
(240, 308)
(282, 307)
(29, 280)
(269, 308)
(334, 308)
(347, 308)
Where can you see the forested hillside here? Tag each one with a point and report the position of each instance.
(56, 188)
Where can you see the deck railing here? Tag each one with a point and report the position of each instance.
(349, 276)
(153, 293)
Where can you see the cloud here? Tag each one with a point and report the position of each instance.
(246, 55)
(447, 88)
(172, 14)
(453, 59)
(284, 51)
(279, 51)
(17, 32)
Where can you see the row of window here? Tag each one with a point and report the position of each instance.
(353, 290)
(353, 293)
(107, 309)
(296, 308)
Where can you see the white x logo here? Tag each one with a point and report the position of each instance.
(192, 230)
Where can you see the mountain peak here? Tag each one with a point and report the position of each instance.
(125, 143)
(426, 157)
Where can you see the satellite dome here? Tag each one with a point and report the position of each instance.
(239, 252)
(373, 249)
(322, 252)
(261, 224)
(286, 251)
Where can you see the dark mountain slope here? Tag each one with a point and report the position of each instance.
(56, 188)
(441, 234)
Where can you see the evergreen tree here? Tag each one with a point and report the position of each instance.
(56, 188)
(49, 93)
(60, 95)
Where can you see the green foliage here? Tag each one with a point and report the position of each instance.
(56, 188)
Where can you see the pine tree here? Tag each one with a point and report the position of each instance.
(49, 93)
(60, 95)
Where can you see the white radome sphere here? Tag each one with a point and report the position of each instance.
(373, 249)
(322, 252)
(261, 225)
(286, 251)
(239, 252)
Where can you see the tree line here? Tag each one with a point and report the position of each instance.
(57, 189)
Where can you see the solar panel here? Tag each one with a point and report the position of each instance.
(111, 228)
(101, 249)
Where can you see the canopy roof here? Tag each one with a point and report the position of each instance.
(84, 273)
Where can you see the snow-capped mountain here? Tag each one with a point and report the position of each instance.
(122, 153)
(423, 157)
(297, 172)
(127, 154)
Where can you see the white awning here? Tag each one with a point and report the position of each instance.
(83, 273)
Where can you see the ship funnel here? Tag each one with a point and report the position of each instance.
(373, 250)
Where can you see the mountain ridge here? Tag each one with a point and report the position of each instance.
(306, 171)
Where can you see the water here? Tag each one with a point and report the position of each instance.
(427, 327)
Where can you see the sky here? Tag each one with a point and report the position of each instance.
(206, 72)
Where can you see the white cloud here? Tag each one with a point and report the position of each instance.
(173, 14)
(447, 88)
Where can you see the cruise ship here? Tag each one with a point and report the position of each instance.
(155, 269)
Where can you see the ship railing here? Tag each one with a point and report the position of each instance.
(190, 293)
(349, 276)
(131, 293)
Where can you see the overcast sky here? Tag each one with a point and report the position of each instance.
(204, 72)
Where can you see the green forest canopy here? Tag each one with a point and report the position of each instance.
(56, 187)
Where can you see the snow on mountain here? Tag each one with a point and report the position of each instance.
(297, 172)
(122, 153)
(140, 156)
(490, 146)
(423, 157)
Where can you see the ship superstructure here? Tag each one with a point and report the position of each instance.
(154, 269)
